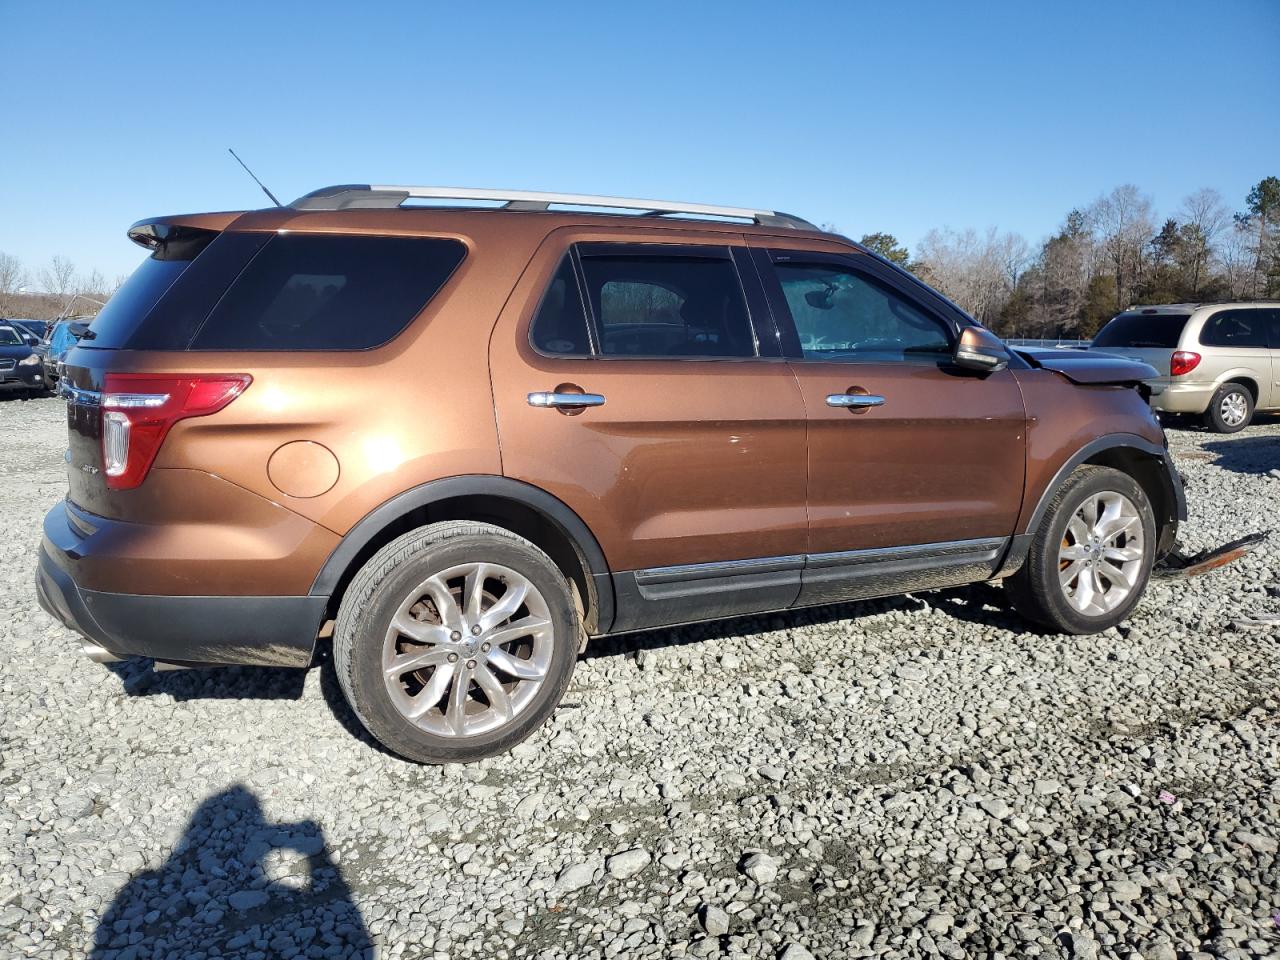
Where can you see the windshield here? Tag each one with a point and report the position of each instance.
(9, 337)
(1137, 330)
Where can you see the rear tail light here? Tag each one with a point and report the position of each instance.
(139, 408)
(1184, 361)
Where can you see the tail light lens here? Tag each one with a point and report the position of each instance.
(1184, 361)
(139, 408)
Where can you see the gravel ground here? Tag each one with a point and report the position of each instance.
(911, 777)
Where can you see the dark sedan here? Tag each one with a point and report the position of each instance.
(20, 368)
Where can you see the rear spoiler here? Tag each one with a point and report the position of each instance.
(168, 237)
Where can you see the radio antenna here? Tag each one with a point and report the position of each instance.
(269, 194)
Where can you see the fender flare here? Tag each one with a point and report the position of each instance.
(485, 485)
(1111, 441)
(1020, 543)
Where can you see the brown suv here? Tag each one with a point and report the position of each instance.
(467, 440)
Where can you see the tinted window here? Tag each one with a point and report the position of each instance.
(263, 291)
(309, 292)
(668, 306)
(843, 315)
(135, 299)
(560, 325)
(1235, 328)
(1137, 330)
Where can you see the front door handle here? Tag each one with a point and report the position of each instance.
(854, 400)
(563, 401)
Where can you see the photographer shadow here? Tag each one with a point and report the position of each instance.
(240, 884)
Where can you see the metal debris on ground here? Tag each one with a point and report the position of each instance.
(1176, 564)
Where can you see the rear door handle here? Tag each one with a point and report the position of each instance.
(854, 400)
(565, 400)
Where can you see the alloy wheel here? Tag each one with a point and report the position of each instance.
(1100, 559)
(468, 649)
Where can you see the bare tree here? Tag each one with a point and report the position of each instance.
(59, 277)
(1204, 217)
(12, 279)
(1237, 256)
(94, 286)
(1124, 224)
(977, 271)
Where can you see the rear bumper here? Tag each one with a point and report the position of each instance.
(1183, 397)
(192, 630)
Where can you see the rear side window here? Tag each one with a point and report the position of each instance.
(310, 292)
(1138, 330)
(654, 305)
(250, 291)
(1236, 328)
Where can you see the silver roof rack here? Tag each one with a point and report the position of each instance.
(360, 196)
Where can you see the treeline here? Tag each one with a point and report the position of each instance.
(1107, 256)
(56, 289)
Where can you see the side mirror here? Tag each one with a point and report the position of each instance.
(980, 349)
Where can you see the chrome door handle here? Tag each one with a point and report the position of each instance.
(565, 400)
(854, 400)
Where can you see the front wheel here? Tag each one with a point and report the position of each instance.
(1091, 557)
(1230, 410)
(455, 642)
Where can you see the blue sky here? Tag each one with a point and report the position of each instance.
(896, 117)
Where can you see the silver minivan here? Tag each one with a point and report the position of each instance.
(1220, 361)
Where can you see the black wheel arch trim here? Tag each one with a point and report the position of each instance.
(474, 485)
(1113, 441)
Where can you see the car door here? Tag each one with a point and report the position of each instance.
(634, 380)
(916, 467)
(1238, 346)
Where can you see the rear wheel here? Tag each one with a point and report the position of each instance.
(1091, 557)
(455, 642)
(1230, 410)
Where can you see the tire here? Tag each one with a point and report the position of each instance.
(401, 584)
(1039, 591)
(1230, 410)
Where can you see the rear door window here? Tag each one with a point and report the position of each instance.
(1235, 328)
(647, 303)
(1143, 330)
(560, 325)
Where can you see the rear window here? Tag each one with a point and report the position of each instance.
(1137, 330)
(249, 291)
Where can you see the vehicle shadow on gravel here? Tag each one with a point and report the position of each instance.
(140, 679)
(240, 884)
(1253, 455)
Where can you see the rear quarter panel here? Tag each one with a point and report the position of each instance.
(413, 410)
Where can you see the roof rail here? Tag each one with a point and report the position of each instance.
(361, 196)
